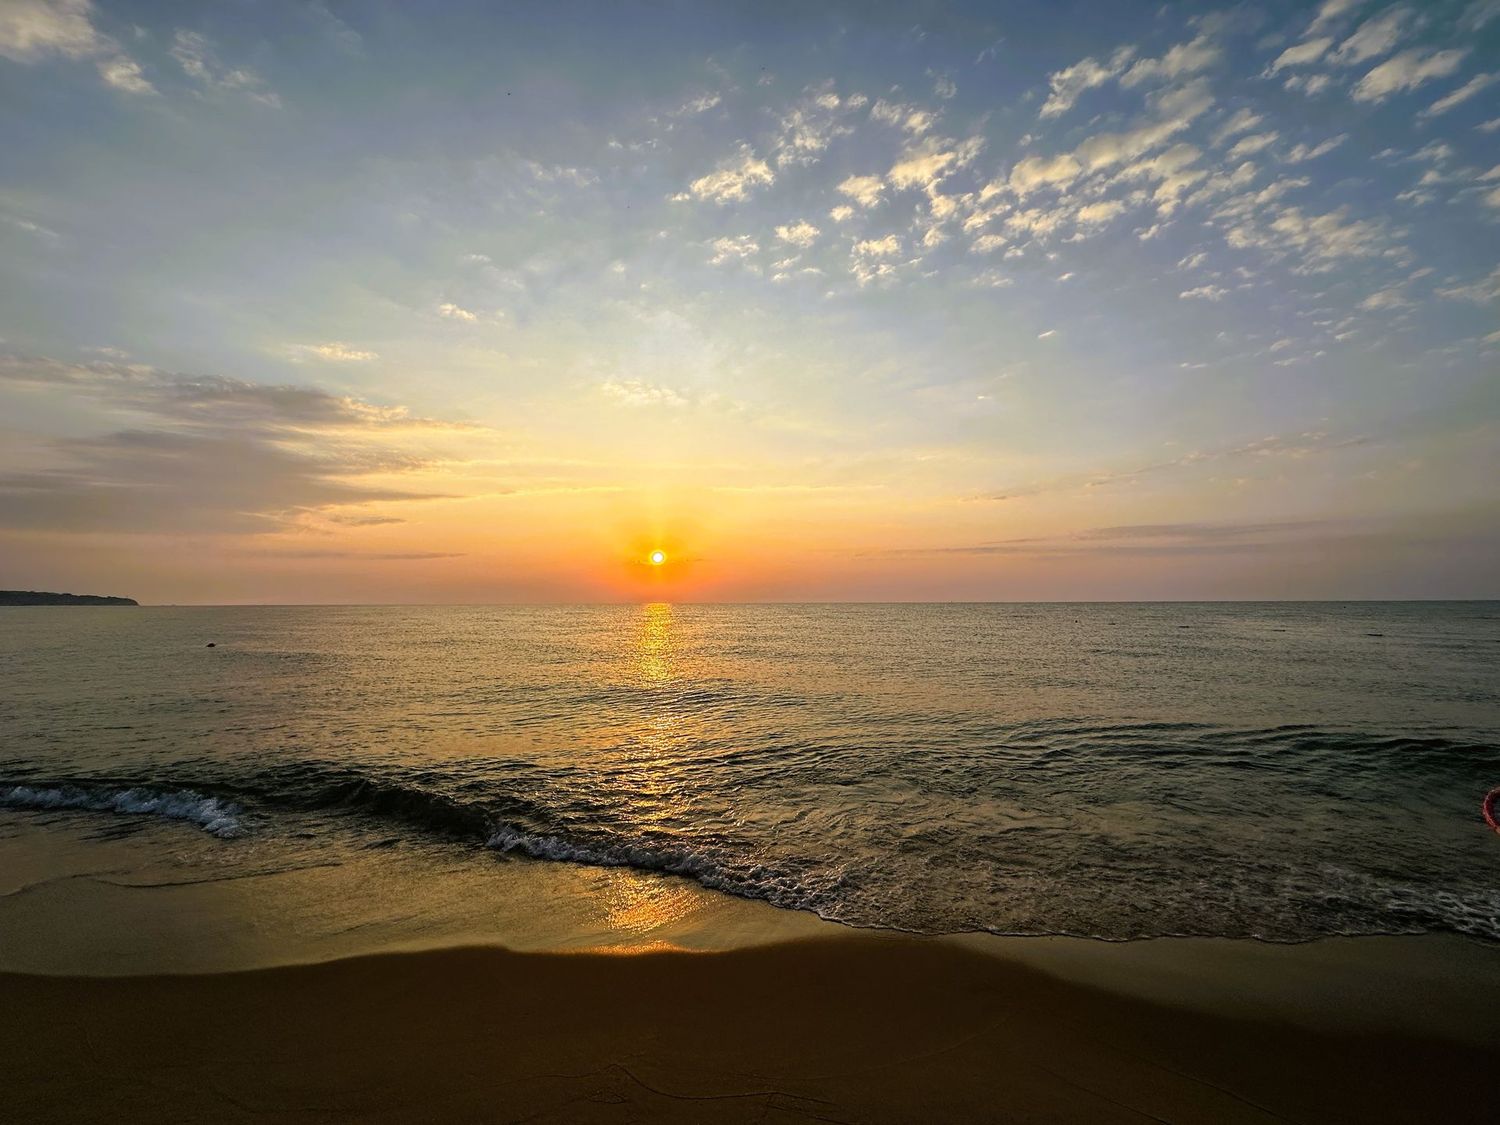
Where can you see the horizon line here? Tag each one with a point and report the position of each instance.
(789, 602)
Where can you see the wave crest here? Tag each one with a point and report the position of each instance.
(212, 814)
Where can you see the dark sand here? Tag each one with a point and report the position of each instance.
(846, 1029)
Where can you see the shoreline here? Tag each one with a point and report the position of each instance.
(158, 975)
(847, 1027)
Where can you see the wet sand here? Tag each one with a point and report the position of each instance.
(848, 1028)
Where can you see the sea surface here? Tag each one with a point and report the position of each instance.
(1282, 771)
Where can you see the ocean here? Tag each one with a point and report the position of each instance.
(1282, 771)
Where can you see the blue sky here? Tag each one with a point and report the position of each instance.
(473, 301)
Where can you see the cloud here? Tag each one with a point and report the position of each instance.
(124, 74)
(1374, 38)
(1303, 152)
(1174, 109)
(1047, 335)
(638, 393)
(1300, 54)
(216, 399)
(1273, 448)
(1459, 96)
(200, 62)
(801, 233)
(34, 30)
(1392, 298)
(1478, 14)
(1241, 121)
(841, 213)
(864, 190)
(1035, 172)
(701, 104)
(733, 249)
(1433, 152)
(931, 159)
(1174, 170)
(1203, 293)
(1249, 146)
(1407, 71)
(913, 119)
(734, 178)
(811, 124)
(363, 556)
(336, 352)
(1152, 539)
(1095, 214)
(1321, 240)
(356, 519)
(45, 233)
(1480, 292)
(1180, 61)
(869, 260)
(1328, 12)
(886, 247)
(1309, 84)
(1071, 82)
(560, 173)
(31, 30)
(202, 453)
(1198, 531)
(454, 312)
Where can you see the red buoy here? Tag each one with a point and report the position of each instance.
(1488, 808)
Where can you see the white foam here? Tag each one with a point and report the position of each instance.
(747, 882)
(555, 848)
(1474, 911)
(215, 816)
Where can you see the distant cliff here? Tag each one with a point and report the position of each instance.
(42, 597)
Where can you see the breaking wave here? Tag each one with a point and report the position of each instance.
(215, 816)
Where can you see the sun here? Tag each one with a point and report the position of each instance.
(658, 557)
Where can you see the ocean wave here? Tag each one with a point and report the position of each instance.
(1474, 911)
(215, 816)
(1012, 834)
(752, 880)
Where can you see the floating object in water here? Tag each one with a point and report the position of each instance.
(210, 644)
(1487, 807)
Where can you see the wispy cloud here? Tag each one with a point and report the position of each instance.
(1459, 96)
(1189, 538)
(201, 63)
(335, 352)
(1071, 82)
(1273, 448)
(33, 30)
(1407, 71)
(204, 453)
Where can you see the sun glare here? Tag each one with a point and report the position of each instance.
(658, 557)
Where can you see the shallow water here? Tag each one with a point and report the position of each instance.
(1283, 771)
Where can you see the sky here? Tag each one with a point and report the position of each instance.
(471, 302)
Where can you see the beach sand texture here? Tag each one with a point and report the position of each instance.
(846, 1029)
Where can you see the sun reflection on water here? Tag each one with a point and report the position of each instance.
(654, 643)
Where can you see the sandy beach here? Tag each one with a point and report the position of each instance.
(847, 1029)
(138, 985)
